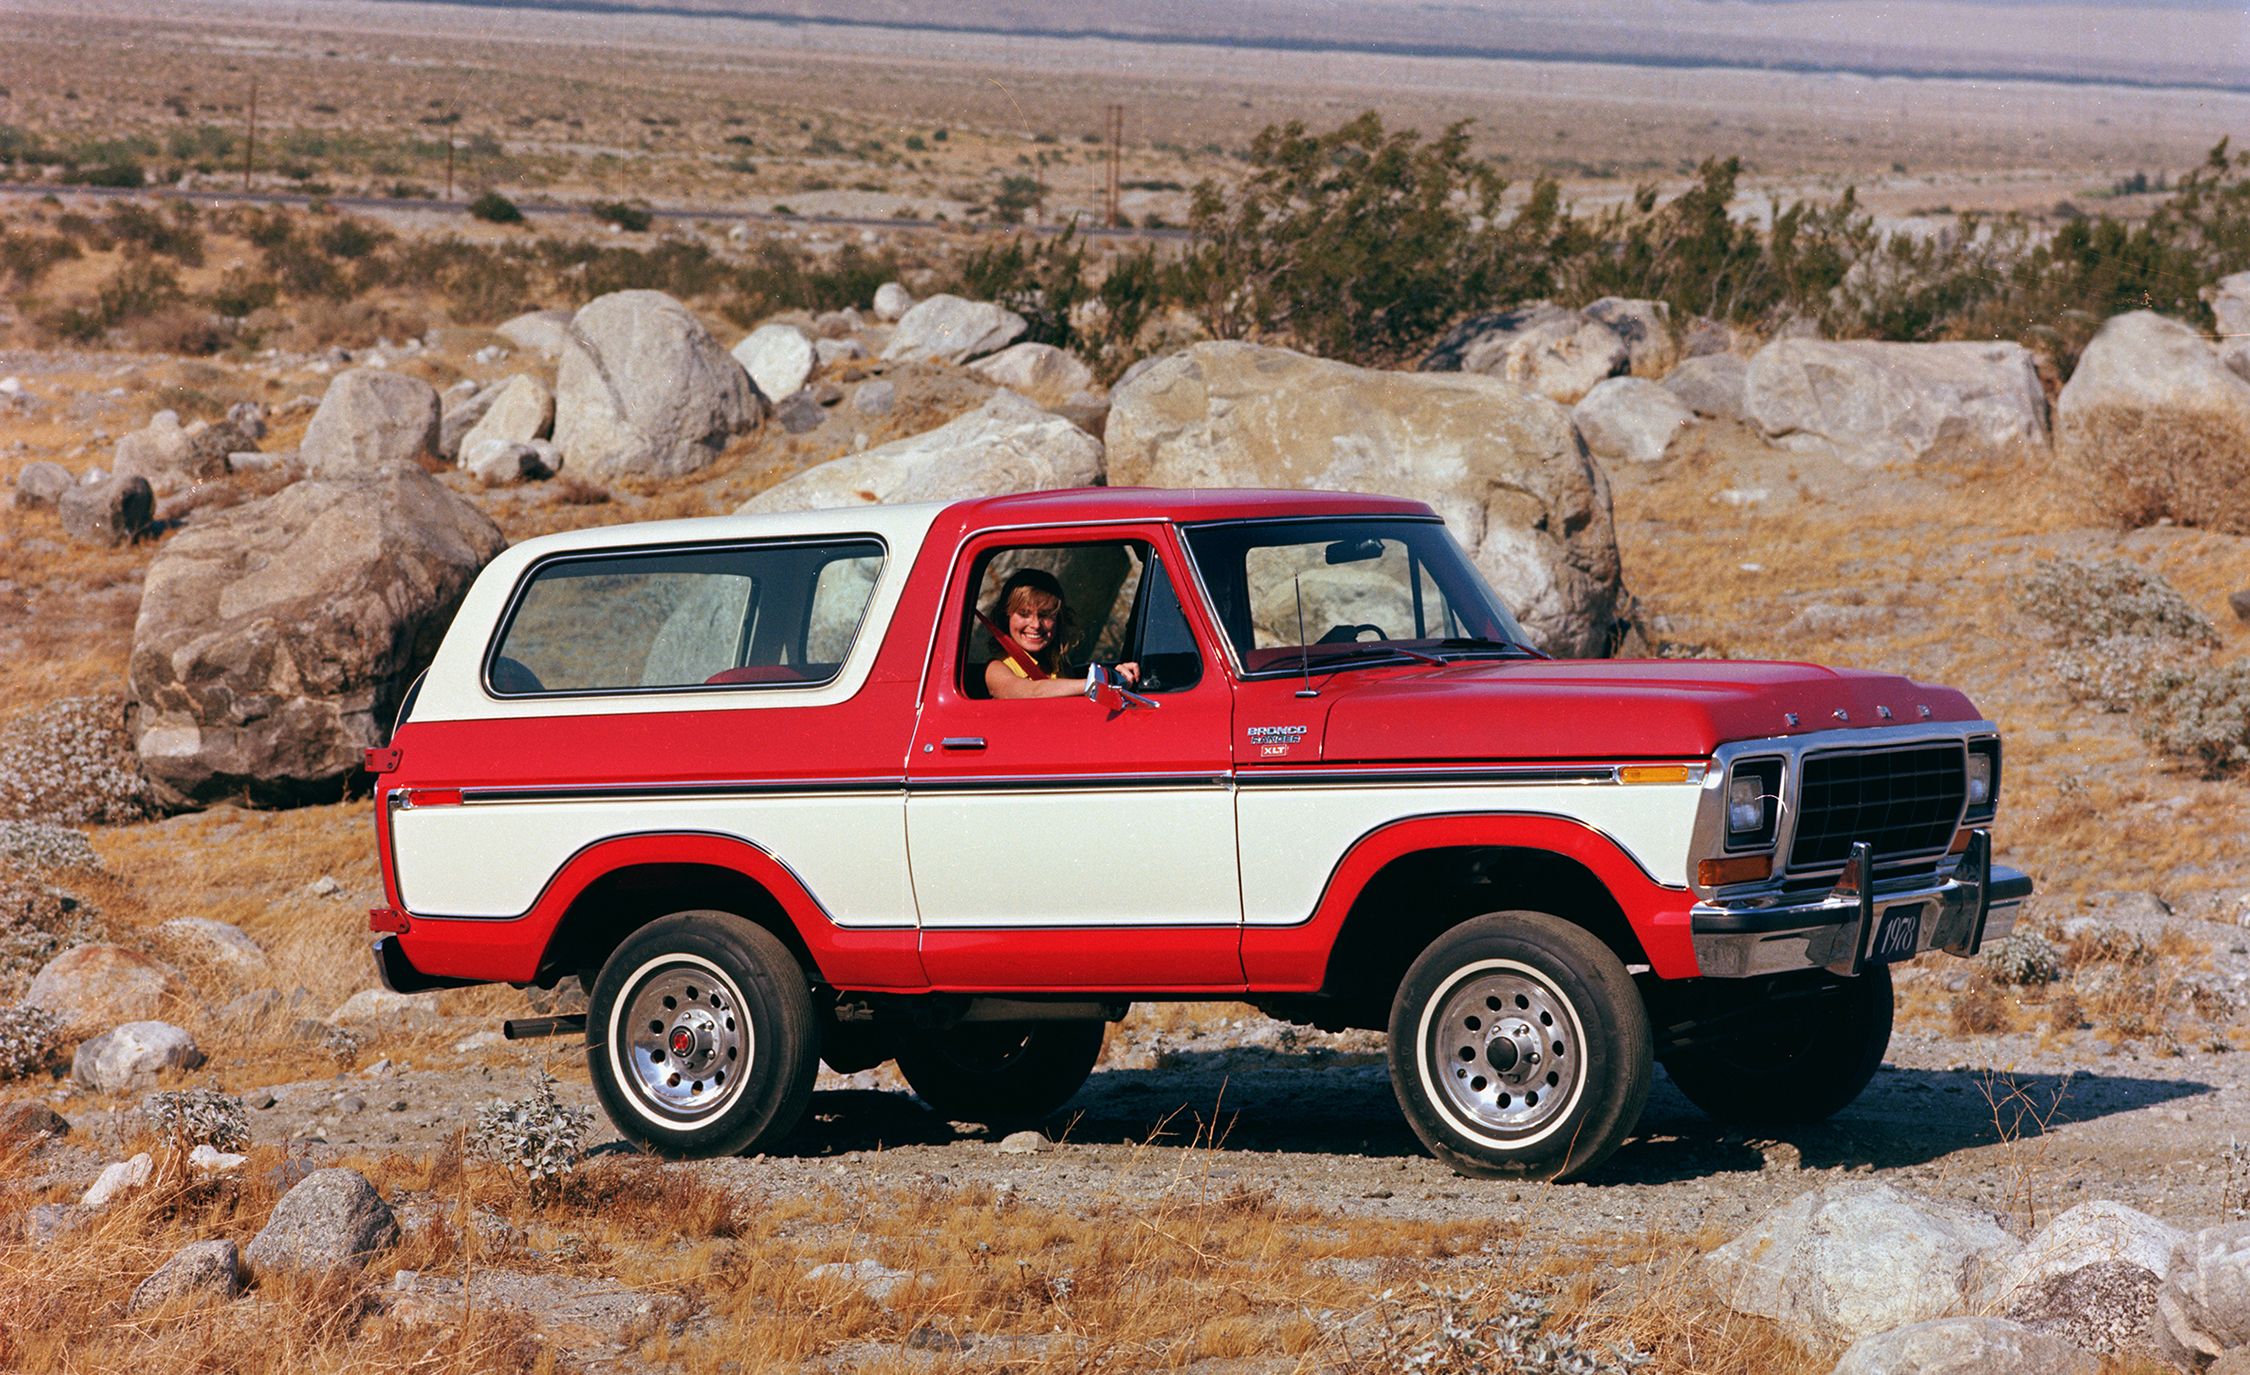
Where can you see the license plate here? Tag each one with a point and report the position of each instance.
(1897, 932)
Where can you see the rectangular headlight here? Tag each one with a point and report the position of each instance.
(1983, 778)
(1753, 803)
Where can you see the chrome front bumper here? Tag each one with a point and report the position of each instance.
(1772, 934)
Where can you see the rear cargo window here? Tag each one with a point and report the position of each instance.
(776, 615)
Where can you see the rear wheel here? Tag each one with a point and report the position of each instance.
(700, 1036)
(1001, 1073)
(1519, 1048)
(1794, 1059)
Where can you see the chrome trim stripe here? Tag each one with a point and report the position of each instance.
(1091, 783)
(1434, 777)
(716, 788)
(1309, 779)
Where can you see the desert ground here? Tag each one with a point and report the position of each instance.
(1228, 1192)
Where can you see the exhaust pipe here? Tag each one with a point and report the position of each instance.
(524, 1028)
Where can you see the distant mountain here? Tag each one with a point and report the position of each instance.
(2142, 42)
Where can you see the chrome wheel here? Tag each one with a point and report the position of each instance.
(1505, 1050)
(688, 1035)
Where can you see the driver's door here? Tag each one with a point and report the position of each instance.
(1060, 843)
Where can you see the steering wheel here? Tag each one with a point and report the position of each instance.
(1346, 634)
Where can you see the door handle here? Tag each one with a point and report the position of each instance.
(963, 742)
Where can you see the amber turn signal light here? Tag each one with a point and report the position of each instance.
(1960, 842)
(1711, 873)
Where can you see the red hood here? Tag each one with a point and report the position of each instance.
(1609, 708)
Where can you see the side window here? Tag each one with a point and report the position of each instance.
(1116, 605)
(773, 615)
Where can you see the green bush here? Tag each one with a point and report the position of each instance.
(495, 209)
(2200, 715)
(631, 218)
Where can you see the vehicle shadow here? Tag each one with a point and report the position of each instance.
(1318, 1103)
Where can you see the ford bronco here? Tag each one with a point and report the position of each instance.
(746, 778)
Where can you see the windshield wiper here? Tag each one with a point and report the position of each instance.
(1371, 651)
(1473, 644)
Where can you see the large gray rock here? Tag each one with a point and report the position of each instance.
(218, 944)
(644, 390)
(892, 301)
(1712, 384)
(171, 457)
(2153, 425)
(95, 987)
(332, 1220)
(1505, 468)
(523, 410)
(368, 418)
(1965, 1346)
(276, 638)
(1557, 353)
(113, 511)
(40, 485)
(2095, 1233)
(1857, 1259)
(1883, 402)
(2230, 307)
(461, 412)
(1644, 326)
(2203, 1309)
(545, 332)
(779, 358)
(1007, 445)
(948, 329)
(1042, 372)
(131, 1056)
(1631, 418)
(2108, 1306)
(203, 1269)
(499, 462)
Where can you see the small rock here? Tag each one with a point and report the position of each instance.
(40, 485)
(381, 1006)
(49, 1221)
(892, 301)
(211, 1160)
(216, 943)
(208, 1268)
(93, 987)
(800, 414)
(116, 1178)
(325, 886)
(111, 512)
(1023, 1143)
(879, 1281)
(131, 1056)
(351, 1104)
(827, 353)
(2237, 602)
(333, 1220)
(875, 398)
(779, 358)
(949, 329)
(502, 462)
(523, 411)
(30, 1120)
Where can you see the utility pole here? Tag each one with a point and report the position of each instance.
(250, 143)
(1116, 152)
(449, 161)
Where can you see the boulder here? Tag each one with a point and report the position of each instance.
(544, 332)
(1631, 418)
(369, 418)
(1712, 384)
(1557, 353)
(40, 485)
(1042, 372)
(2094, 1233)
(2109, 1306)
(1883, 402)
(172, 458)
(220, 944)
(948, 329)
(1857, 1259)
(131, 1056)
(1646, 329)
(2203, 1308)
(117, 1177)
(276, 638)
(500, 462)
(1965, 1346)
(2230, 307)
(202, 1270)
(523, 411)
(111, 512)
(1504, 467)
(644, 390)
(779, 358)
(2153, 425)
(1007, 445)
(332, 1220)
(463, 406)
(95, 987)
(892, 301)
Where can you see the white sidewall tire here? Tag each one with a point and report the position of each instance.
(1436, 1093)
(618, 1038)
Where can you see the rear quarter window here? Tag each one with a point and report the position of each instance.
(772, 615)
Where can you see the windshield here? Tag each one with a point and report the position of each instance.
(1334, 592)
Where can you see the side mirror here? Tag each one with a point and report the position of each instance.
(1105, 689)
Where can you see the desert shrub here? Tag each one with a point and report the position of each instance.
(1979, 1009)
(1471, 1332)
(241, 293)
(535, 1139)
(2234, 1187)
(178, 328)
(70, 763)
(2110, 673)
(25, 258)
(36, 847)
(2087, 602)
(1041, 279)
(303, 270)
(206, 143)
(2023, 959)
(31, 1041)
(37, 922)
(2199, 715)
(1017, 197)
(171, 233)
(494, 208)
(2140, 465)
(778, 278)
(678, 267)
(631, 218)
(120, 173)
(351, 238)
(199, 1117)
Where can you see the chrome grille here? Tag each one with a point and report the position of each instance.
(1902, 801)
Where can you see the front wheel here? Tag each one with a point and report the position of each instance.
(1799, 1057)
(700, 1036)
(1519, 1048)
(1001, 1073)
